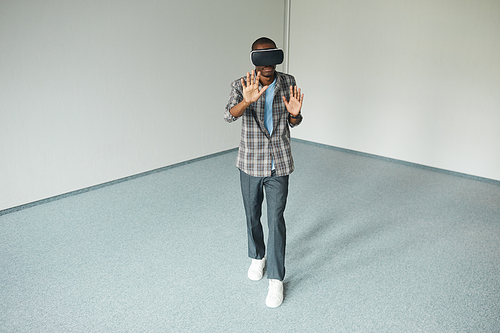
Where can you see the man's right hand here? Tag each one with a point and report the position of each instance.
(251, 94)
(251, 91)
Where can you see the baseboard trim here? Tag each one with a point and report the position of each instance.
(393, 160)
(142, 174)
(113, 182)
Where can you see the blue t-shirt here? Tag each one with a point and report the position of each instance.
(268, 110)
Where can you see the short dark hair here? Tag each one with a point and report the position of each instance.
(263, 40)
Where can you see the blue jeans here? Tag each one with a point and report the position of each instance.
(276, 188)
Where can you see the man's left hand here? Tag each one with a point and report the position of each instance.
(295, 104)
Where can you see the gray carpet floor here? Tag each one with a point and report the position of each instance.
(373, 246)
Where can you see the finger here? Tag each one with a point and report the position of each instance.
(301, 100)
(253, 76)
(262, 90)
(298, 95)
(295, 92)
(248, 80)
(257, 79)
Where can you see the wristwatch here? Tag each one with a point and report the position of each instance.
(297, 117)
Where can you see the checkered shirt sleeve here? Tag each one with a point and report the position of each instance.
(257, 148)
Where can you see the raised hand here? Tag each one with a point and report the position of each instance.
(295, 104)
(251, 91)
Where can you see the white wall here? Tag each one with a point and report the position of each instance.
(92, 91)
(417, 81)
(98, 90)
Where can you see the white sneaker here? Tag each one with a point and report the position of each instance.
(256, 270)
(275, 295)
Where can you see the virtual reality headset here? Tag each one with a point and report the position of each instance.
(267, 57)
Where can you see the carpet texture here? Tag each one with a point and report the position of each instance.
(373, 246)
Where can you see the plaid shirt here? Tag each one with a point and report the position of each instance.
(258, 148)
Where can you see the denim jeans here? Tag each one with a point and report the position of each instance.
(276, 190)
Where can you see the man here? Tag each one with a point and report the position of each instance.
(269, 103)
